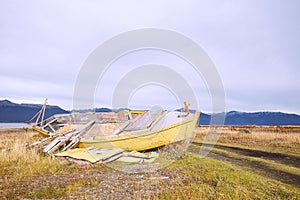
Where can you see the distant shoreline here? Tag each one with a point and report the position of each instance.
(14, 125)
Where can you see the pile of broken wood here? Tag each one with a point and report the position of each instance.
(62, 140)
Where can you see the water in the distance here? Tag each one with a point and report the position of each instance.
(14, 125)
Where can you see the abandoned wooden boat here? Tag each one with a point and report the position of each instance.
(150, 130)
(128, 130)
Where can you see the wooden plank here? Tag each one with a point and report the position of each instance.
(107, 153)
(63, 141)
(50, 122)
(51, 145)
(51, 127)
(84, 129)
(144, 121)
(72, 144)
(56, 147)
(43, 112)
(186, 108)
(51, 138)
(75, 139)
(113, 158)
(121, 128)
(41, 141)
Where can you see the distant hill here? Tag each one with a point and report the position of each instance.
(13, 112)
(256, 118)
(93, 110)
(103, 110)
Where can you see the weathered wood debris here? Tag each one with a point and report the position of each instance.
(63, 139)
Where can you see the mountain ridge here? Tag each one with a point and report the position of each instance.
(14, 112)
(266, 118)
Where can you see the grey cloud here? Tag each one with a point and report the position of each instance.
(254, 44)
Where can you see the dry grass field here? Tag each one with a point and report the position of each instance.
(246, 163)
(285, 139)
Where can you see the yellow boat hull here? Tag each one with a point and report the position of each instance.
(148, 140)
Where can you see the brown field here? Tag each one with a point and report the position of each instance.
(246, 163)
(285, 139)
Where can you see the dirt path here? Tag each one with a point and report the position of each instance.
(257, 167)
(277, 157)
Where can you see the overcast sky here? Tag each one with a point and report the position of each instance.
(254, 44)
